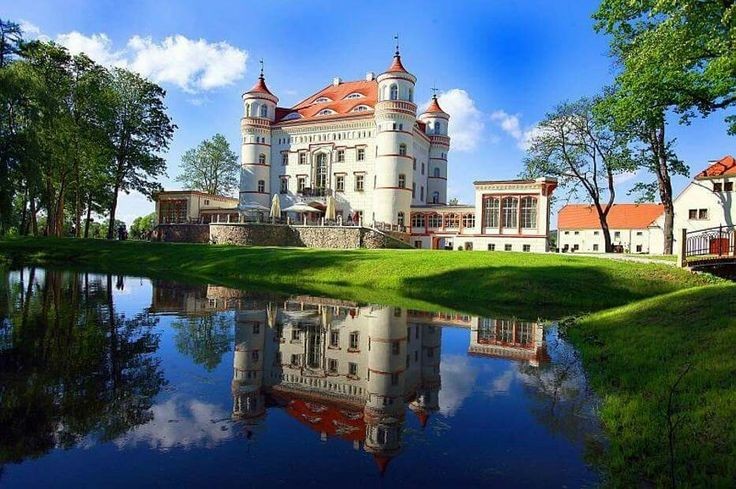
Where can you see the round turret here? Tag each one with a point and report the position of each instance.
(248, 399)
(395, 117)
(437, 122)
(259, 109)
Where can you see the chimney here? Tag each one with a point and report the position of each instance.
(370, 76)
(336, 81)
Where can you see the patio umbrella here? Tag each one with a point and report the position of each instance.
(275, 207)
(301, 208)
(330, 210)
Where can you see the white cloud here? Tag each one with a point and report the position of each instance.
(626, 177)
(511, 125)
(458, 380)
(192, 65)
(466, 121)
(30, 30)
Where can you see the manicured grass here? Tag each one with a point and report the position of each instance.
(667, 258)
(634, 356)
(515, 284)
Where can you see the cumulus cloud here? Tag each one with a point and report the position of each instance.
(466, 121)
(30, 30)
(458, 380)
(511, 125)
(192, 65)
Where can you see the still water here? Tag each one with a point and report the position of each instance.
(110, 381)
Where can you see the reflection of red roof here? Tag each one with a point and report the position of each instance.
(382, 462)
(334, 420)
(260, 87)
(621, 216)
(423, 417)
(724, 166)
(336, 102)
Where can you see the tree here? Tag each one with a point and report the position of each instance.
(138, 130)
(142, 226)
(204, 338)
(453, 201)
(211, 167)
(582, 152)
(685, 50)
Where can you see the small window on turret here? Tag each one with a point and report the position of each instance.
(264, 111)
(402, 149)
(394, 92)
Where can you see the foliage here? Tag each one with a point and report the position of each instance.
(211, 167)
(142, 226)
(205, 338)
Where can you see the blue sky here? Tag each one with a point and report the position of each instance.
(500, 64)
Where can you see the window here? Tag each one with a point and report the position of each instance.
(301, 183)
(437, 172)
(491, 247)
(353, 95)
(400, 219)
(575, 247)
(728, 186)
(206, 201)
(322, 100)
(576, 233)
(334, 339)
(402, 149)
(638, 248)
(285, 159)
(418, 243)
(640, 233)
(295, 335)
(595, 247)
(395, 347)
(261, 159)
(295, 359)
(340, 183)
(435, 197)
(526, 247)
(354, 337)
(507, 247)
(435, 221)
(340, 155)
(702, 213)
(302, 158)
(321, 171)
(595, 233)
(692, 214)
(452, 221)
(509, 212)
(469, 220)
(568, 232)
(256, 328)
(394, 92)
(528, 213)
(261, 186)
(617, 234)
(326, 112)
(360, 154)
(284, 185)
(422, 168)
(491, 212)
(394, 379)
(332, 366)
(421, 193)
(437, 127)
(402, 180)
(717, 187)
(353, 369)
(413, 189)
(264, 111)
(359, 182)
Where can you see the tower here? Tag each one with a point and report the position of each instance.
(427, 399)
(437, 121)
(395, 115)
(247, 386)
(259, 111)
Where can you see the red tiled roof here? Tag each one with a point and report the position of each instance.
(336, 94)
(396, 66)
(621, 216)
(434, 106)
(722, 167)
(260, 87)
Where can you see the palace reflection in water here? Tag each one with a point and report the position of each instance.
(345, 370)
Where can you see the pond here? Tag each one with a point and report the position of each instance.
(129, 382)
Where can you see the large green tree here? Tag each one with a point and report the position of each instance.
(211, 167)
(139, 130)
(584, 153)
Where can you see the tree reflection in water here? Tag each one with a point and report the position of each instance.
(73, 368)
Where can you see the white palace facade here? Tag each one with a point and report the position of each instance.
(363, 143)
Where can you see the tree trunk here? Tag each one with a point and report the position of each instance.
(89, 215)
(664, 183)
(34, 220)
(113, 208)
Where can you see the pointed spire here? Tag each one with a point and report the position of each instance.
(434, 104)
(382, 462)
(396, 65)
(260, 85)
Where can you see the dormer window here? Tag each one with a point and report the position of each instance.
(354, 95)
(326, 112)
(291, 116)
(361, 108)
(322, 100)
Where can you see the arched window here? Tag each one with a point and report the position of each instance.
(264, 110)
(417, 220)
(435, 220)
(400, 219)
(261, 159)
(411, 95)
(402, 180)
(261, 186)
(402, 149)
(509, 212)
(437, 127)
(321, 171)
(490, 212)
(528, 213)
(394, 92)
(436, 172)
(435, 197)
(452, 221)
(247, 110)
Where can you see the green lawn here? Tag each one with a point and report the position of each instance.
(518, 284)
(640, 326)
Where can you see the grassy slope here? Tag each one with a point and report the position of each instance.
(634, 355)
(516, 284)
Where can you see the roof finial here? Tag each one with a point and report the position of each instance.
(434, 92)
(396, 38)
(261, 61)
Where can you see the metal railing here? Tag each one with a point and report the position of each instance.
(716, 241)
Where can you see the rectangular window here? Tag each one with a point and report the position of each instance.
(301, 183)
(417, 244)
(332, 366)
(359, 182)
(595, 233)
(576, 233)
(528, 213)
(417, 220)
(526, 247)
(490, 212)
(295, 334)
(353, 369)
(640, 233)
(728, 186)
(261, 186)
(302, 158)
(340, 155)
(402, 181)
(295, 359)
(509, 212)
(284, 185)
(692, 214)
(256, 328)
(507, 247)
(638, 248)
(595, 247)
(334, 339)
(567, 232)
(340, 183)
(354, 337)
(717, 187)
(702, 213)
(360, 154)
(491, 247)
(285, 159)
(617, 234)
(468, 220)
(395, 348)
(575, 247)
(413, 190)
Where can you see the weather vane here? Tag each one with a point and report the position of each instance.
(396, 38)
(434, 91)
(261, 61)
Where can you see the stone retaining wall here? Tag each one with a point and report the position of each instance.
(182, 233)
